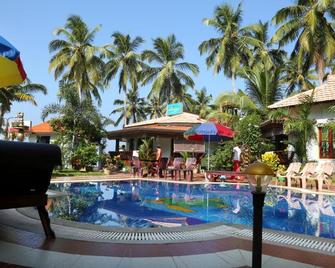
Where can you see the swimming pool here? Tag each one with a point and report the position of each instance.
(145, 204)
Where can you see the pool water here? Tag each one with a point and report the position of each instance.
(145, 204)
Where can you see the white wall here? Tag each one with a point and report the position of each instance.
(165, 144)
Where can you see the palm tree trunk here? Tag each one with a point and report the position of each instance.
(320, 67)
(125, 107)
(2, 113)
(233, 81)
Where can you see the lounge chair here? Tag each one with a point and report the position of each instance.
(307, 171)
(176, 168)
(136, 168)
(323, 175)
(292, 170)
(190, 164)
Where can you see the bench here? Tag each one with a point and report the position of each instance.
(25, 172)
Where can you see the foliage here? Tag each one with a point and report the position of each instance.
(248, 132)
(263, 84)
(271, 159)
(134, 110)
(232, 48)
(146, 151)
(18, 93)
(185, 155)
(169, 79)
(222, 157)
(308, 24)
(298, 125)
(85, 156)
(202, 102)
(76, 122)
(76, 58)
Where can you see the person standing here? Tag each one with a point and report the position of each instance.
(237, 157)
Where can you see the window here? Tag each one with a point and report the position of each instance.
(326, 142)
(43, 139)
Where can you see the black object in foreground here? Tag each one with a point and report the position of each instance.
(25, 173)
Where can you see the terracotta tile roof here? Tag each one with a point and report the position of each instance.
(183, 118)
(42, 128)
(323, 93)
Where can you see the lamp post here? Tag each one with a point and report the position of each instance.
(18, 124)
(259, 175)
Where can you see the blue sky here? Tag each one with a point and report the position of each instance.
(28, 25)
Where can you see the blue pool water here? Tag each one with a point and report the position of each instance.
(144, 204)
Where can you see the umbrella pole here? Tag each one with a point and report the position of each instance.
(209, 150)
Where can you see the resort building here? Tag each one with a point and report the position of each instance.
(167, 130)
(323, 147)
(42, 133)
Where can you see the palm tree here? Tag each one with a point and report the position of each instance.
(135, 108)
(298, 125)
(76, 59)
(263, 84)
(125, 61)
(264, 53)
(155, 108)
(295, 77)
(232, 48)
(202, 102)
(307, 23)
(238, 100)
(18, 93)
(169, 79)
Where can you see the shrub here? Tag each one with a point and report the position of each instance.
(271, 159)
(85, 156)
(222, 157)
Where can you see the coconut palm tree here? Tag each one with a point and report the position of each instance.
(295, 77)
(18, 93)
(169, 79)
(298, 125)
(238, 100)
(76, 58)
(307, 22)
(231, 49)
(155, 108)
(135, 108)
(125, 62)
(265, 53)
(202, 102)
(263, 84)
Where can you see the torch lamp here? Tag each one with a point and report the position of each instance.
(259, 176)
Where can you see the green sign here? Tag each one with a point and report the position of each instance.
(174, 108)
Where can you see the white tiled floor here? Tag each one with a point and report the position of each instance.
(21, 255)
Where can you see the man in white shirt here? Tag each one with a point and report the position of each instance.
(237, 157)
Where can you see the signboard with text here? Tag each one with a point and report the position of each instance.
(174, 108)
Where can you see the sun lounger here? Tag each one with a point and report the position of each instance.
(307, 171)
(26, 170)
(292, 170)
(322, 175)
(175, 169)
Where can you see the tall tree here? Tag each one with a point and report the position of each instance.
(76, 121)
(76, 58)
(202, 102)
(125, 62)
(232, 48)
(19, 93)
(169, 79)
(263, 84)
(135, 108)
(307, 22)
(155, 108)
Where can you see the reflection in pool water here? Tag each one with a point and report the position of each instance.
(144, 204)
